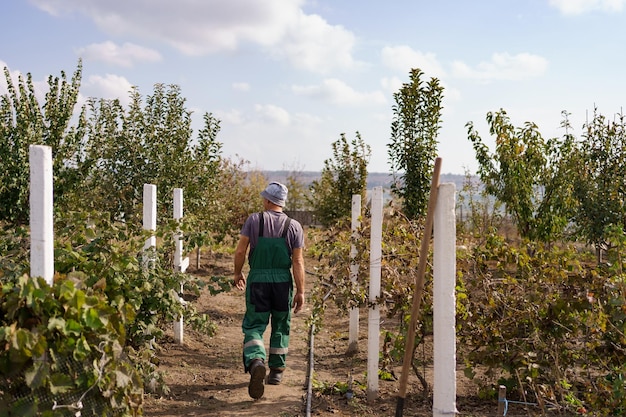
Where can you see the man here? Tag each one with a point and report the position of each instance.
(276, 243)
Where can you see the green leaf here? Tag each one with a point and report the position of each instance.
(82, 349)
(66, 290)
(92, 319)
(57, 323)
(72, 327)
(79, 300)
(60, 383)
(36, 375)
(22, 343)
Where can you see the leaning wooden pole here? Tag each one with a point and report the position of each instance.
(419, 288)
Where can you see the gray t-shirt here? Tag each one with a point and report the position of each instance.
(274, 222)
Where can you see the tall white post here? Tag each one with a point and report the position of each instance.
(41, 219)
(180, 264)
(373, 329)
(149, 217)
(444, 303)
(353, 339)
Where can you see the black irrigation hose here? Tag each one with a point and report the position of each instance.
(309, 375)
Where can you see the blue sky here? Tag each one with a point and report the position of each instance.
(287, 77)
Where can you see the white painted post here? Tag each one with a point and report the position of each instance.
(373, 330)
(41, 219)
(353, 339)
(180, 264)
(149, 218)
(444, 303)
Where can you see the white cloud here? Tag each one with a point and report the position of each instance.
(503, 66)
(273, 114)
(109, 87)
(310, 43)
(305, 121)
(199, 27)
(391, 84)
(336, 91)
(451, 94)
(191, 26)
(575, 7)
(233, 116)
(241, 86)
(404, 58)
(125, 55)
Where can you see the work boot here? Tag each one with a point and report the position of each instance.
(256, 388)
(275, 377)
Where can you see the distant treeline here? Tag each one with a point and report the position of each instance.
(374, 179)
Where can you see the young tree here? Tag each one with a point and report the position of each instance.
(413, 147)
(599, 167)
(342, 176)
(153, 143)
(205, 168)
(24, 122)
(528, 174)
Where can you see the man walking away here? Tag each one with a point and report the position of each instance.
(276, 244)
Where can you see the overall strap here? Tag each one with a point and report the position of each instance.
(285, 226)
(261, 224)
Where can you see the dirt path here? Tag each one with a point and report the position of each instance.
(205, 375)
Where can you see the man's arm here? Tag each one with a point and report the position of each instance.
(240, 258)
(297, 258)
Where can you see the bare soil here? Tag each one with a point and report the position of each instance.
(206, 378)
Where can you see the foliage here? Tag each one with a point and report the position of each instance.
(103, 160)
(152, 144)
(298, 193)
(478, 213)
(202, 182)
(545, 324)
(413, 147)
(399, 267)
(544, 320)
(599, 166)
(105, 253)
(237, 195)
(64, 340)
(343, 175)
(530, 175)
(23, 122)
(120, 308)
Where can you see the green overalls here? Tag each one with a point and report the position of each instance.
(269, 293)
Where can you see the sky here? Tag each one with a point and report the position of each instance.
(287, 77)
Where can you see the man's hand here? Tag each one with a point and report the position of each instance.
(298, 302)
(240, 256)
(239, 281)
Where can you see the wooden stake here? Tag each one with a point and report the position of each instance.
(419, 288)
